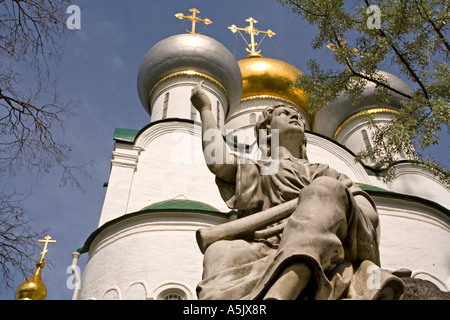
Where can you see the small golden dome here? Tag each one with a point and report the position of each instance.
(265, 77)
(32, 288)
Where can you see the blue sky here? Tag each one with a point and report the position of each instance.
(99, 68)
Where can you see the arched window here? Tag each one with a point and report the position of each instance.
(172, 292)
(252, 118)
(172, 296)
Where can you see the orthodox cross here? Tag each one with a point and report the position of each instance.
(342, 43)
(194, 19)
(252, 31)
(46, 241)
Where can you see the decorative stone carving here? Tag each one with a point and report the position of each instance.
(304, 230)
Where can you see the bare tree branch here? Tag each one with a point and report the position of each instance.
(32, 116)
(17, 241)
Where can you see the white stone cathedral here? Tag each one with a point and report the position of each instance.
(160, 190)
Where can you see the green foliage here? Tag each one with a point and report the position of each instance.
(411, 39)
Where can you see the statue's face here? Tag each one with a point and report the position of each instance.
(286, 120)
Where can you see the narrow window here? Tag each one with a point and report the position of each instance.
(166, 105)
(252, 118)
(193, 112)
(366, 140)
(218, 113)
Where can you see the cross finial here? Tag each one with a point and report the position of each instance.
(252, 31)
(342, 43)
(46, 240)
(194, 19)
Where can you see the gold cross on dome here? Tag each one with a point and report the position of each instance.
(46, 241)
(252, 31)
(342, 43)
(194, 19)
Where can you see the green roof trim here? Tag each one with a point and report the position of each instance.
(125, 135)
(190, 205)
(376, 191)
(180, 204)
(368, 187)
(167, 205)
(129, 135)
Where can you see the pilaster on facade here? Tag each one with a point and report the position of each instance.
(126, 156)
(123, 167)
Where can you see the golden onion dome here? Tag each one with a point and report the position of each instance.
(32, 288)
(266, 77)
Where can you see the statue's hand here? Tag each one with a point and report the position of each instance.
(199, 98)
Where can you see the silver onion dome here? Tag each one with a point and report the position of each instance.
(329, 118)
(189, 52)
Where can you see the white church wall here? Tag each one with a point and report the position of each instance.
(178, 103)
(246, 129)
(172, 165)
(351, 134)
(166, 162)
(416, 237)
(418, 182)
(175, 93)
(123, 166)
(146, 257)
(321, 150)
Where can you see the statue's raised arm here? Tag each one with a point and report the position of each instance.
(219, 161)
